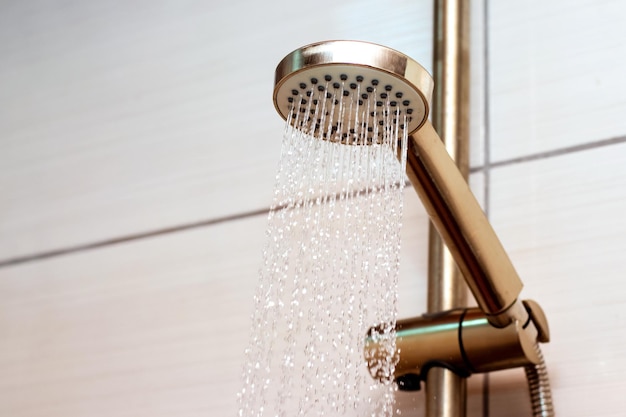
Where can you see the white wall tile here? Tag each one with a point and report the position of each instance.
(477, 83)
(477, 185)
(154, 327)
(125, 117)
(414, 258)
(555, 74)
(562, 221)
(151, 327)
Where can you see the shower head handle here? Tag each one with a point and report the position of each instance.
(464, 228)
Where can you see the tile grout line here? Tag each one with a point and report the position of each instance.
(552, 153)
(129, 238)
(562, 151)
(139, 236)
(486, 120)
(486, 158)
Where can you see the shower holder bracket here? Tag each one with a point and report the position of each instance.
(463, 341)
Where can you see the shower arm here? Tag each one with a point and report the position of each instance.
(464, 228)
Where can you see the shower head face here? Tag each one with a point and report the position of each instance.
(351, 91)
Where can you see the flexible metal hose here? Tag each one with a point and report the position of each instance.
(539, 385)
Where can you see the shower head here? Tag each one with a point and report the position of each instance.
(336, 89)
(359, 93)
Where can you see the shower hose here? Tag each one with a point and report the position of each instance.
(539, 386)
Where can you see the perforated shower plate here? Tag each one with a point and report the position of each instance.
(359, 73)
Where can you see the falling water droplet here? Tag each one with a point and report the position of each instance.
(330, 264)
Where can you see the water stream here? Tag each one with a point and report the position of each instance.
(330, 264)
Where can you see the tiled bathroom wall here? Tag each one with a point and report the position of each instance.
(138, 144)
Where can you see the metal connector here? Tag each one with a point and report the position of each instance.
(462, 341)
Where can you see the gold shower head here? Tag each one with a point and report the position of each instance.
(371, 83)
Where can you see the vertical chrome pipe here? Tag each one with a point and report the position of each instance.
(446, 391)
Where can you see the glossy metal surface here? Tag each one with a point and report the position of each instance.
(445, 390)
(446, 393)
(343, 64)
(462, 341)
(463, 226)
(539, 387)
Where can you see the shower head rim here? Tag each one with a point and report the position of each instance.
(352, 53)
